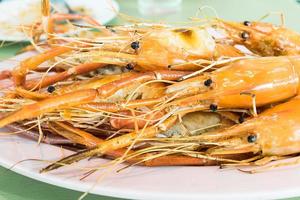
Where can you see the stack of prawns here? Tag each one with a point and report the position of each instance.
(156, 95)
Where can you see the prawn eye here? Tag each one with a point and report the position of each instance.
(208, 82)
(50, 89)
(247, 23)
(129, 66)
(241, 119)
(245, 35)
(135, 45)
(213, 107)
(251, 138)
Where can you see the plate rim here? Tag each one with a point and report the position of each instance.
(110, 191)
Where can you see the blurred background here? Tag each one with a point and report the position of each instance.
(237, 10)
(14, 186)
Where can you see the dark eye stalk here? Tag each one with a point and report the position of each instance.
(252, 138)
(135, 45)
(208, 82)
(129, 66)
(245, 35)
(213, 107)
(247, 23)
(50, 89)
(241, 119)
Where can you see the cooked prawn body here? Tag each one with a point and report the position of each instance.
(168, 79)
(268, 79)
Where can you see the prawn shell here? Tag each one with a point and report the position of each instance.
(264, 38)
(277, 132)
(278, 129)
(160, 49)
(269, 79)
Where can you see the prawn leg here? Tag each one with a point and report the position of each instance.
(113, 144)
(19, 73)
(62, 16)
(121, 106)
(85, 96)
(111, 88)
(48, 105)
(79, 136)
(49, 80)
(31, 95)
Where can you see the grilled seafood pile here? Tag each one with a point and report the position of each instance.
(154, 95)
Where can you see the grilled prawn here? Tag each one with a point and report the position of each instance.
(177, 49)
(270, 136)
(241, 84)
(273, 134)
(262, 38)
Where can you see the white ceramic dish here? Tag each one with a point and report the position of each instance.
(15, 13)
(146, 183)
(150, 183)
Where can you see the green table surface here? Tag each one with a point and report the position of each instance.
(16, 187)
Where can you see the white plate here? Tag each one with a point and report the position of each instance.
(14, 13)
(150, 183)
(147, 183)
